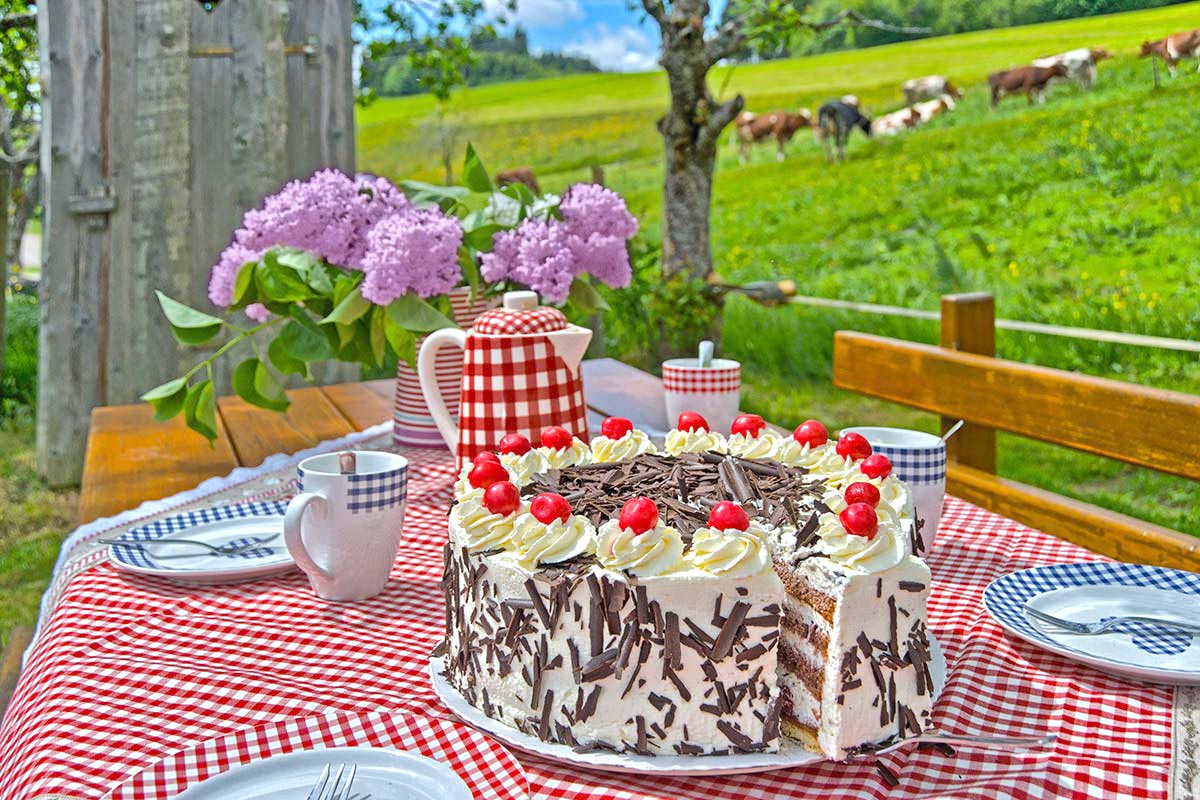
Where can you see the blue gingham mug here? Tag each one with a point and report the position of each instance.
(344, 530)
(918, 459)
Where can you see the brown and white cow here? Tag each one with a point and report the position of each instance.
(895, 122)
(1030, 80)
(752, 128)
(930, 87)
(1080, 63)
(519, 175)
(932, 108)
(1174, 48)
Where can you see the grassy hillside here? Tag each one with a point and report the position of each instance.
(1082, 211)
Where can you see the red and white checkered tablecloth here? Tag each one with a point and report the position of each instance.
(129, 671)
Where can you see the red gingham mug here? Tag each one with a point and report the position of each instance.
(713, 392)
(520, 375)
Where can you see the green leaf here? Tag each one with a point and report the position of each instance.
(519, 192)
(279, 283)
(167, 399)
(188, 325)
(279, 357)
(481, 238)
(303, 344)
(475, 177)
(255, 384)
(311, 269)
(403, 342)
(200, 410)
(414, 314)
(243, 284)
(584, 297)
(378, 334)
(349, 309)
(426, 194)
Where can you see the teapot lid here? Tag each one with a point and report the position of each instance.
(521, 314)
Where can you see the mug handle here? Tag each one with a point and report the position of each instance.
(427, 373)
(293, 537)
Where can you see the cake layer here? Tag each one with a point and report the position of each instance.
(593, 658)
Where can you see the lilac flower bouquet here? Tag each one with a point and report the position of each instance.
(354, 268)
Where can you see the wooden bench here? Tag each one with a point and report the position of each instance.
(961, 379)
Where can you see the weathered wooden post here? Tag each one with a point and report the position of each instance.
(1154, 66)
(969, 324)
(162, 123)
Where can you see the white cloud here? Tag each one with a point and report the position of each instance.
(625, 49)
(537, 13)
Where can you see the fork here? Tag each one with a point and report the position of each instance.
(1104, 625)
(1014, 743)
(335, 792)
(220, 550)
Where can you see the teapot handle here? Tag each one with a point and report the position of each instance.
(427, 373)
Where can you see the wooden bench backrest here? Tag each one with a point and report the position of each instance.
(1146, 427)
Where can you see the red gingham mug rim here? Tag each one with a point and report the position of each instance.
(692, 365)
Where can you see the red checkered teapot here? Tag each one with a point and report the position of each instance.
(520, 375)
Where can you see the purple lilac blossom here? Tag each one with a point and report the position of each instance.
(606, 258)
(537, 254)
(415, 251)
(323, 214)
(590, 209)
(258, 312)
(221, 280)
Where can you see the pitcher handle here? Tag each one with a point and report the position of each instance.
(427, 373)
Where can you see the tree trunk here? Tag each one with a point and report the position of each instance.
(691, 130)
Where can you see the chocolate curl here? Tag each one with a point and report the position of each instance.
(347, 463)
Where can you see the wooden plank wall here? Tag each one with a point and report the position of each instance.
(184, 119)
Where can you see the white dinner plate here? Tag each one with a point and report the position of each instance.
(156, 554)
(382, 774)
(1092, 591)
(791, 753)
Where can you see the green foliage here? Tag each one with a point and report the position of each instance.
(19, 60)
(18, 381)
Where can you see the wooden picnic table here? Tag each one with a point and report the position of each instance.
(131, 458)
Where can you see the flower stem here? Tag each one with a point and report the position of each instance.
(244, 333)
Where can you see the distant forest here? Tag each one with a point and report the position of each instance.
(940, 16)
(501, 58)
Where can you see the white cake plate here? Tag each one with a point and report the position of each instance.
(791, 753)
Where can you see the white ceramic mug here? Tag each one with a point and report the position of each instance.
(918, 459)
(344, 530)
(713, 392)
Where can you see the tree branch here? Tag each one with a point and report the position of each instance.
(855, 18)
(728, 39)
(656, 10)
(721, 116)
(27, 19)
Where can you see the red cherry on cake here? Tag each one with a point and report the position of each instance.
(749, 425)
(862, 492)
(615, 427)
(854, 445)
(485, 473)
(876, 466)
(557, 438)
(514, 444)
(727, 515)
(859, 519)
(691, 421)
(548, 507)
(811, 433)
(502, 498)
(638, 515)
(486, 455)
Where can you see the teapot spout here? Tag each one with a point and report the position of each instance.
(570, 344)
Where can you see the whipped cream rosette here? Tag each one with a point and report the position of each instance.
(700, 440)
(731, 545)
(638, 542)
(620, 441)
(574, 454)
(536, 542)
(480, 528)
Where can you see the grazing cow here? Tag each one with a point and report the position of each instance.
(1080, 63)
(931, 87)
(753, 128)
(932, 108)
(1030, 80)
(895, 122)
(518, 175)
(837, 119)
(1174, 48)
(851, 100)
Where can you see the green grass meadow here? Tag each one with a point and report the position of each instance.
(1083, 211)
